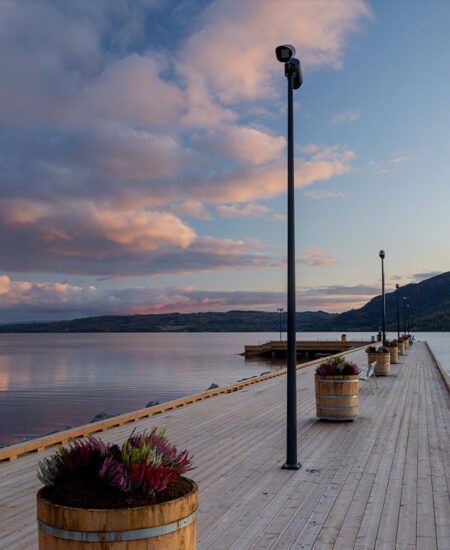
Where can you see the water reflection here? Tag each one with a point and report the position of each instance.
(50, 381)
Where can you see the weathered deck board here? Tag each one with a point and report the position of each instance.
(381, 482)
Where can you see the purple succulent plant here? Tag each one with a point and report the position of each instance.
(337, 366)
(147, 462)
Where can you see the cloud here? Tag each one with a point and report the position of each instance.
(324, 194)
(108, 140)
(23, 300)
(375, 167)
(125, 153)
(246, 184)
(192, 208)
(123, 89)
(419, 277)
(318, 257)
(247, 144)
(345, 116)
(247, 211)
(233, 51)
(92, 239)
(401, 156)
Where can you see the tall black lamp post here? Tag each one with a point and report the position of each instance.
(280, 310)
(398, 312)
(383, 301)
(292, 71)
(407, 317)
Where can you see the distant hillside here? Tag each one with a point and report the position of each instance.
(429, 311)
(231, 321)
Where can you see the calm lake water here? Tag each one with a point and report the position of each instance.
(51, 381)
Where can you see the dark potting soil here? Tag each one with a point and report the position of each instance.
(98, 494)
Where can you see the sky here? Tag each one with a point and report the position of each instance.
(143, 153)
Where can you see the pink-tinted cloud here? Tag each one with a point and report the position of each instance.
(192, 208)
(246, 211)
(250, 184)
(318, 257)
(22, 300)
(88, 238)
(139, 231)
(246, 144)
(109, 140)
(234, 51)
(24, 295)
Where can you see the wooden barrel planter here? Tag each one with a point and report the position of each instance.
(372, 357)
(393, 351)
(337, 397)
(383, 364)
(171, 524)
(401, 348)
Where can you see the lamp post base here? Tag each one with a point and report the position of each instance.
(287, 466)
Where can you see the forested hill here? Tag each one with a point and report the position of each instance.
(429, 310)
(230, 321)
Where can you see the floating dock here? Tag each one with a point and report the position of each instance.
(380, 482)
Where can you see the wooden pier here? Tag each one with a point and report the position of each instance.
(380, 482)
(306, 349)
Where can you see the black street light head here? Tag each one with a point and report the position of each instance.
(284, 52)
(382, 254)
(298, 78)
(397, 286)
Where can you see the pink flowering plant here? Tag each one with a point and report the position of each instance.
(337, 366)
(146, 463)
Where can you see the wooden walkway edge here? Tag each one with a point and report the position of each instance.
(381, 482)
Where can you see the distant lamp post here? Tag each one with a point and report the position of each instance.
(280, 311)
(407, 317)
(292, 71)
(398, 312)
(404, 315)
(383, 301)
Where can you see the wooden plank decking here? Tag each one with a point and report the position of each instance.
(380, 482)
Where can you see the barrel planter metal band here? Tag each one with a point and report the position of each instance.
(337, 397)
(117, 536)
(171, 524)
